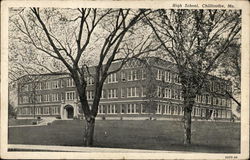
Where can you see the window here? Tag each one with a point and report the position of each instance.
(26, 87)
(160, 75)
(166, 76)
(132, 109)
(173, 93)
(90, 95)
(111, 109)
(103, 94)
(169, 77)
(122, 93)
(143, 109)
(24, 99)
(167, 109)
(54, 110)
(112, 93)
(55, 84)
(123, 76)
(46, 98)
(159, 109)
(159, 91)
(175, 110)
(132, 92)
(101, 109)
(38, 110)
(228, 114)
(46, 110)
(176, 78)
(47, 85)
(70, 82)
(167, 93)
(143, 74)
(181, 110)
(143, 91)
(62, 83)
(204, 99)
(133, 75)
(70, 95)
(112, 78)
(39, 86)
(208, 99)
(228, 103)
(123, 108)
(39, 98)
(90, 80)
(54, 97)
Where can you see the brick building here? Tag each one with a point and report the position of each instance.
(137, 91)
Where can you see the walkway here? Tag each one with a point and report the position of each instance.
(20, 147)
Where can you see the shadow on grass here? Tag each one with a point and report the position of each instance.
(210, 137)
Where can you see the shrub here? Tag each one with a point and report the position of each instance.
(34, 123)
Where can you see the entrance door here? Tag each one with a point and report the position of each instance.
(70, 112)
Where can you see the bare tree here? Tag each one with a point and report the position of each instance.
(194, 39)
(230, 68)
(70, 36)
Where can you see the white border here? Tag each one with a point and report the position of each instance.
(244, 5)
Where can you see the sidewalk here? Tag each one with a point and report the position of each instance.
(34, 148)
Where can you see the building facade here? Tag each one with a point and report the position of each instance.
(137, 91)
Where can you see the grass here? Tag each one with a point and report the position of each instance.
(16, 122)
(216, 137)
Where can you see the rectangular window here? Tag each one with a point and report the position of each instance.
(133, 75)
(38, 110)
(101, 109)
(166, 74)
(90, 95)
(170, 77)
(123, 108)
(70, 95)
(46, 110)
(112, 78)
(228, 103)
(123, 76)
(133, 92)
(143, 74)
(46, 98)
(62, 83)
(54, 97)
(39, 98)
(160, 75)
(132, 109)
(70, 82)
(111, 109)
(143, 91)
(103, 94)
(159, 91)
(143, 109)
(90, 80)
(123, 93)
(112, 93)
(39, 86)
(55, 84)
(159, 109)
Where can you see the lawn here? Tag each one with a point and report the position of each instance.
(216, 137)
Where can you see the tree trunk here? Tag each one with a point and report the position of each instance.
(88, 138)
(187, 125)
